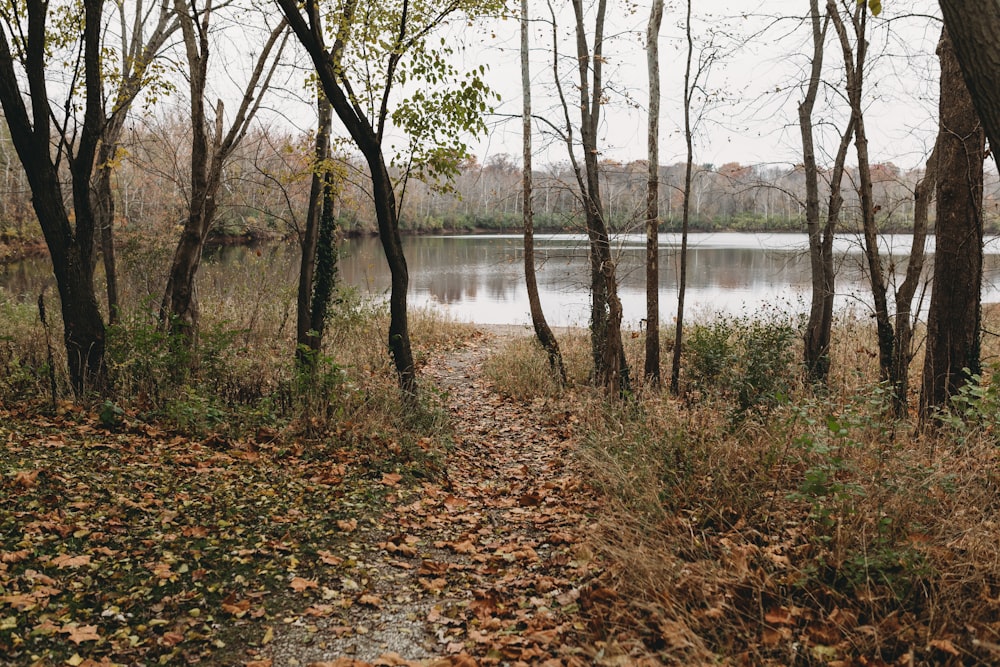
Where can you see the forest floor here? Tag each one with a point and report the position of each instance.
(132, 545)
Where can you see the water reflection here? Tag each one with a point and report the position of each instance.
(480, 278)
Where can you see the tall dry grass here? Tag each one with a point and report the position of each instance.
(819, 530)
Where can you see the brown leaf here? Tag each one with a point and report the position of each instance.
(266, 662)
(370, 600)
(14, 556)
(329, 558)
(66, 560)
(944, 645)
(237, 609)
(433, 585)
(391, 478)
(80, 633)
(171, 638)
(298, 584)
(26, 478)
(347, 525)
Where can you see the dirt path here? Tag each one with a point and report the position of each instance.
(482, 568)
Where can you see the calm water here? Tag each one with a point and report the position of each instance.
(480, 278)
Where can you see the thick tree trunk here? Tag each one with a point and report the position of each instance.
(542, 331)
(954, 318)
(71, 248)
(652, 366)
(974, 26)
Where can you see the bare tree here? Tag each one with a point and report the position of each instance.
(211, 146)
(610, 367)
(542, 331)
(137, 56)
(652, 367)
(690, 83)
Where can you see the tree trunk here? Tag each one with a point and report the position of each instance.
(71, 248)
(652, 367)
(309, 31)
(954, 317)
(104, 216)
(610, 367)
(542, 331)
(854, 63)
(308, 338)
(209, 151)
(675, 366)
(974, 26)
(903, 350)
(816, 348)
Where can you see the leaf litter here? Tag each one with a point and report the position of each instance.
(137, 546)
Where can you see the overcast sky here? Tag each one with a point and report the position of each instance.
(754, 84)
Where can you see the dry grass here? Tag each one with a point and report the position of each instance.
(818, 532)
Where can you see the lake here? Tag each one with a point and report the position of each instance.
(480, 278)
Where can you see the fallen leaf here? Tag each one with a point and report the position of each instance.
(329, 558)
(66, 560)
(298, 584)
(26, 478)
(370, 600)
(944, 645)
(391, 478)
(347, 525)
(80, 633)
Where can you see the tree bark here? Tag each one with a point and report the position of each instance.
(308, 338)
(652, 366)
(816, 348)
(71, 247)
(953, 321)
(974, 26)
(542, 331)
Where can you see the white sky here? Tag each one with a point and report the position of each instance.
(755, 83)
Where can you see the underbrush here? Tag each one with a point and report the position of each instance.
(241, 381)
(756, 519)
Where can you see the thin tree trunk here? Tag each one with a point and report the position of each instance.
(309, 339)
(652, 367)
(817, 335)
(610, 367)
(675, 366)
(953, 322)
(903, 350)
(854, 64)
(542, 331)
